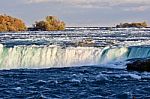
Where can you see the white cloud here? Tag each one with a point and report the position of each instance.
(36, 1)
(138, 9)
(101, 3)
(112, 2)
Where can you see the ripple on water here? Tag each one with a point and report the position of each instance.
(74, 83)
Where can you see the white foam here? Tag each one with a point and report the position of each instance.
(47, 57)
(135, 76)
(55, 56)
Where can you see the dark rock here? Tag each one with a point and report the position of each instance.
(139, 65)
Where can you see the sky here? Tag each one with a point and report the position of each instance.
(79, 12)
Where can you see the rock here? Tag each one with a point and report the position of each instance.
(139, 65)
(85, 43)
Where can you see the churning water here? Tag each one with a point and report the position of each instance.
(50, 65)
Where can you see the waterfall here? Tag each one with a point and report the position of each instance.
(53, 57)
(124, 53)
(113, 54)
(139, 52)
(47, 57)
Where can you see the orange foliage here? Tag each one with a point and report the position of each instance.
(8, 23)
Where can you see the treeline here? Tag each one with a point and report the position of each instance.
(50, 23)
(128, 25)
(9, 23)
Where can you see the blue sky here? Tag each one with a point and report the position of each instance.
(79, 12)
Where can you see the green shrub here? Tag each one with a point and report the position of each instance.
(51, 23)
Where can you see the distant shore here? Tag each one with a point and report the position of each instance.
(52, 23)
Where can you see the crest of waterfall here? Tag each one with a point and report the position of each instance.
(46, 57)
(53, 57)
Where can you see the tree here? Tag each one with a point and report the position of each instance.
(8, 23)
(51, 23)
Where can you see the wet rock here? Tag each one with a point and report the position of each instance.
(85, 43)
(139, 65)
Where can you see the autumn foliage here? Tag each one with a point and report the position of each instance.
(128, 25)
(8, 23)
(51, 23)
